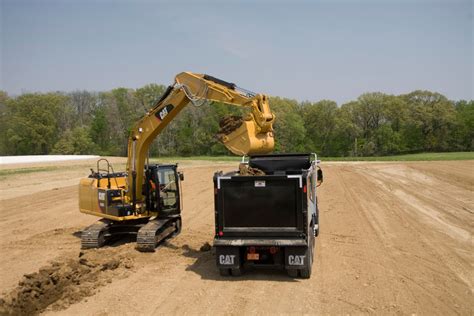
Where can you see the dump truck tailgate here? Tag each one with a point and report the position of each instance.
(260, 205)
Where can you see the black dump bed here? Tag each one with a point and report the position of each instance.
(260, 202)
(269, 205)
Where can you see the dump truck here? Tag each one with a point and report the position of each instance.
(266, 214)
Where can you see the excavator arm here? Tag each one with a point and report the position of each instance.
(251, 135)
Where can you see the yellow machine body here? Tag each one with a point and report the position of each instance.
(96, 198)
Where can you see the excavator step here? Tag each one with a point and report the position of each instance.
(155, 231)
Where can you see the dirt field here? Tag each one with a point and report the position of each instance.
(396, 238)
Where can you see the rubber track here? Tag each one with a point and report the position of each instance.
(94, 235)
(153, 232)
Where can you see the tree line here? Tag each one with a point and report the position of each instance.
(83, 122)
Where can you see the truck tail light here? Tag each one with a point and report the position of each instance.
(304, 188)
(273, 250)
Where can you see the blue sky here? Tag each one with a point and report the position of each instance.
(307, 50)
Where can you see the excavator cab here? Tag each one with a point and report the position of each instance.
(162, 189)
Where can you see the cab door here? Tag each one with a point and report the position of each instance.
(169, 190)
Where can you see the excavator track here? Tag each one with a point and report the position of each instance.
(95, 235)
(155, 231)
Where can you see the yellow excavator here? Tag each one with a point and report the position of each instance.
(146, 199)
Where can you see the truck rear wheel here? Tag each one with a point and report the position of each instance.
(230, 271)
(224, 272)
(236, 271)
(305, 273)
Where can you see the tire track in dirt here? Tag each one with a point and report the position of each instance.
(415, 236)
(443, 210)
(365, 244)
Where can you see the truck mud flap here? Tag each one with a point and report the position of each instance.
(228, 257)
(297, 257)
(299, 261)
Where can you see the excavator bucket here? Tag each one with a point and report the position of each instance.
(241, 137)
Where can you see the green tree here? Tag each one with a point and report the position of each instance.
(373, 124)
(99, 131)
(3, 122)
(289, 127)
(320, 123)
(148, 95)
(33, 123)
(431, 121)
(122, 111)
(83, 104)
(464, 131)
(75, 142)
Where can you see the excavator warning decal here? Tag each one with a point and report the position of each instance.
(161, 114)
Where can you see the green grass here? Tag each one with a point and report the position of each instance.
(9, 172)
(410, 157)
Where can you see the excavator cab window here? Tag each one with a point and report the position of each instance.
(162, 189)
(168, 188)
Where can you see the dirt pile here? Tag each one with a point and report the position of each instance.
(227, 125)
(205, 247)
(61, 284)
(246, 170)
